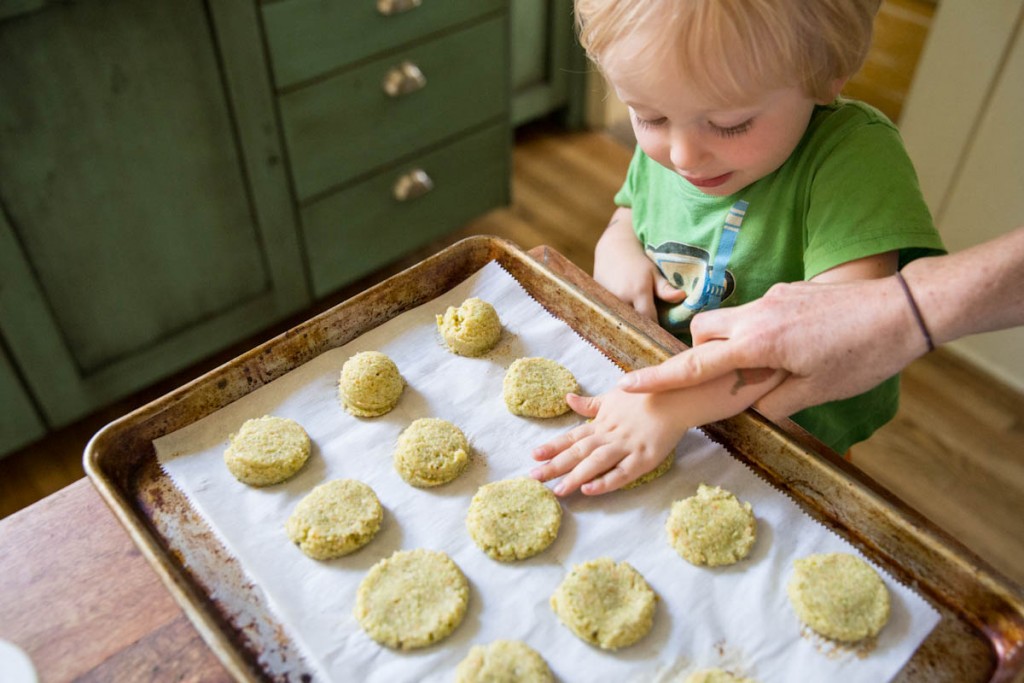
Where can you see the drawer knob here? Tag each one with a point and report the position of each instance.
(390, 7)
(403, 79)
(413, 184)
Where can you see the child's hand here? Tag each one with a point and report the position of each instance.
(629, 436)
(637, 282)
(622, 267)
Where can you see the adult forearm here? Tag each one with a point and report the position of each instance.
(976, 290)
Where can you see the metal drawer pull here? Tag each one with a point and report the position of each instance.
(404, 79)
(413, 184)
(390, 7)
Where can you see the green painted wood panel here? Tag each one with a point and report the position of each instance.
(545, 58)
(104, 169)
(240, 39)
(145, 224)
(531, 35)
(13, 8)
(346, 126)
(20, 424)
(308, 38)
(363, 228)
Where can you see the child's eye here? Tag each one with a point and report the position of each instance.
(649, 123)
(732, 131)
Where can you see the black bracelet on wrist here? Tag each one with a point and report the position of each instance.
(916, 311)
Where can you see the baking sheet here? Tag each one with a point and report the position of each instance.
(737, 617)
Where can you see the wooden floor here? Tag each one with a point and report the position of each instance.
(955, 451)
(901, 28)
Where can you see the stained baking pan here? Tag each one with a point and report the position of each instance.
(980, 636)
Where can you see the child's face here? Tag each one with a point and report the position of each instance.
(719, 150)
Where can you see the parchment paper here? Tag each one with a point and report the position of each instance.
(737, 618)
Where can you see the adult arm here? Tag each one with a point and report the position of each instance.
(839, 339)
(980, 289)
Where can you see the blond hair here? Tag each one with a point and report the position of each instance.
(731, 48)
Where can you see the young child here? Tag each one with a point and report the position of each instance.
(748, 172)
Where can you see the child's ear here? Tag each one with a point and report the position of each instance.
(834, 90)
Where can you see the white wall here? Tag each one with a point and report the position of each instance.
(963, 124)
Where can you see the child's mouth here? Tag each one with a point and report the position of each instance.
(709, 182)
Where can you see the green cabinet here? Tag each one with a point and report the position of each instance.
(146, 217)
(19, 422)
(548, 65)
(310, 38)
(345, 126)
(176, 175)
(465, 175)
(397, 127)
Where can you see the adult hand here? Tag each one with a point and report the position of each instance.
(835, 340)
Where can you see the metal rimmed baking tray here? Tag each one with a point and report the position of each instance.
(981, 633)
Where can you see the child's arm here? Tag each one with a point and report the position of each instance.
(623, 268)
(630, 434)
(867, 268)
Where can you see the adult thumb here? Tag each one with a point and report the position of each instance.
(791, 396)
(685, 369)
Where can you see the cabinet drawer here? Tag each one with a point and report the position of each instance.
(347, 125)
(365, 227)
(308, 38)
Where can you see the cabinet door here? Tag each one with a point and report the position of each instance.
(545, 59)
(19, 422)
(145, 219)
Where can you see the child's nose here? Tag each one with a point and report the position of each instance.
(686, 153)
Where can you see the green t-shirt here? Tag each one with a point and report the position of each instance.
(847, 191)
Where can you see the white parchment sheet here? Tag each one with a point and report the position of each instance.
(737, 617)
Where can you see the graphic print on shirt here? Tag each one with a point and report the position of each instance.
(687, 268)
(706, 279)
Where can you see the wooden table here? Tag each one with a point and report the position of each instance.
(81, 600)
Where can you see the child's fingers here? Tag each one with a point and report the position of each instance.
(644, 305)
(599, 461)
(563, 461)
(612, 480)
(666, 291)
(552, 448)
